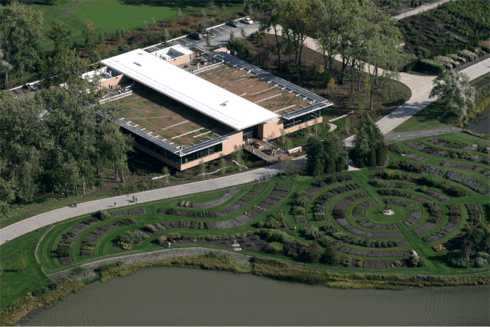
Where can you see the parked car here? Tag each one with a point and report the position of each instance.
(233, 23)
(202, 32)
(195, 35)
(247, 21)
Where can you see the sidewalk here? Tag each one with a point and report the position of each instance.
(48, 218)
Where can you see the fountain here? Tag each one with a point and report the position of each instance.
(388, 212)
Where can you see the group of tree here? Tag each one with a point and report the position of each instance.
(353, 29)
(370, 149)
(472, 249)
(325, 156)
(58, 140)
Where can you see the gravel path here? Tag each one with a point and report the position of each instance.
(89, 273)
(396, 136)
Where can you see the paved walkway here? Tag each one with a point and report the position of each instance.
(419, 85)
(397, 136)
(48, 218)
(420, 9)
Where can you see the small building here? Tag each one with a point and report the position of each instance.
(176, 55)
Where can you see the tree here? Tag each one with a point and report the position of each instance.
(223, 8)
(166, 173)
(383, 40)
(274, 9)
(331, 256)
(89, 33)
(242, 32)
(314, 254)
(232, 37)
(118, 35)
(166, 36)
(208, 40)
(179, 14)
(331, 88)
(222, 166)
(330, 166)
(22, 264)
(153, 23)
(329, 18)
(456, 93)
(5, 67)
(101, 39)
(20, 36)
(64, 67)
(202, 168)
(368, 138)
(60, 33)
(314, 154)
(333, 147)
(144, 26)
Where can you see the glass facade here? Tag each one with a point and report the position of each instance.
(171, 156)
(302, 119)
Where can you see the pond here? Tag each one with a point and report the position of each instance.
(481, 124)
(181, 296)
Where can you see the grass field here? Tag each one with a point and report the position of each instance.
(110, 15)
(433, 116)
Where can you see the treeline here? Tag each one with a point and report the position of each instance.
(56, 142)
(353, 29)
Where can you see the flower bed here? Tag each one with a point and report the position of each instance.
(251, 195)
(447, 154)
(474, 213)
(321, 203)
(472, 182)
(130, 212)
(454, 145)
(477, 169)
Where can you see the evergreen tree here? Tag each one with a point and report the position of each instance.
(330, 166)
(368, 138)
(314, 151)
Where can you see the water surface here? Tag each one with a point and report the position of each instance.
(180, 296)
(481, 123)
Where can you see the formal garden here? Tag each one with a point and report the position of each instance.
(424, 213)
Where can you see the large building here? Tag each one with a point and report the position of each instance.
(192, 106)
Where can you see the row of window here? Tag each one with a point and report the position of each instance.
(302, 119)
(173, 157)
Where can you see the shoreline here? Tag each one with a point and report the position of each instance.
(26, 308)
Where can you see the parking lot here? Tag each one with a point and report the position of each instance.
(222, 34)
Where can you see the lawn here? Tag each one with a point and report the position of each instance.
(362, 245)
(434, 115)
(110, 15)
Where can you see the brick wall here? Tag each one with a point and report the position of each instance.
(228, 148)
(182, 60)
(273, 129)
(114, 81)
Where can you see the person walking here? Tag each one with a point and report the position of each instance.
(115, 205)
(75, 204)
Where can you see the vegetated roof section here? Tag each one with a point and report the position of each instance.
(189, 89)
(262, 74)
(305, 111)
(164, 144)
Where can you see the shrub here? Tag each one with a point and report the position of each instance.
(274, 247)
(151, 228)
(457, 191)
(432, 180)
(132, 237)
(331, 256)
(314, 253)
(103, 215)
(259, 224)
(174, 236)
(298, 211)
(99, 183)
(278, 236)
(162, 240)
(302, 199)
(311, 232)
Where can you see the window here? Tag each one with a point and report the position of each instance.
(302, 119)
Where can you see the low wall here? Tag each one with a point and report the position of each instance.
(89, 273)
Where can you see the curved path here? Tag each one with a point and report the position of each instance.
(419, 85)
(48, 218)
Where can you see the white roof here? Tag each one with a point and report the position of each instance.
(174, 51)
(189, 89)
